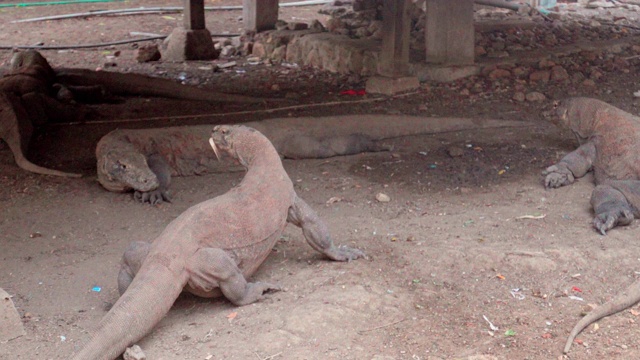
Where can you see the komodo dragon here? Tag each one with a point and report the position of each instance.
(212, 247)
(33, 93)
(144, 160)
(609, 141)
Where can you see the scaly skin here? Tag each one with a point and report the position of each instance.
(609, 139)
(178, 150)
(212, 247)
(619, 303)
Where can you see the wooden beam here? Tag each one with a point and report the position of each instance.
(259, 15)
(194, 15)
(396, 27)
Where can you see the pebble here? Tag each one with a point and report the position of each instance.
(384, 198)
(535, 96)
(134, 353)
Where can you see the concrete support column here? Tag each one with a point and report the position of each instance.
(393, 65)
(396, 27)
(194, 15)
(449, 32)
(259, 15)
(193, 40)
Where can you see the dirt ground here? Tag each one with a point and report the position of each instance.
(462, 239)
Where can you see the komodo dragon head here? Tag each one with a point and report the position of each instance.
(239, 142)
(578, 115)
(124, 170)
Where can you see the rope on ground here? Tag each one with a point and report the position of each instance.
(246, 112)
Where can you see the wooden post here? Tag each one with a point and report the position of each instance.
(194, 15)
(396, 26)
(259, 15)
(449, 32)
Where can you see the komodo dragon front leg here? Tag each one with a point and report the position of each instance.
(158, 165)
(575, 164)
(317, 233)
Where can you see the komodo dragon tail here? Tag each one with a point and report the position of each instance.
(16, 130)
(142, 85)
(147, 300)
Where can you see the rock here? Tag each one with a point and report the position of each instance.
(134, 353)
(333, 25)
(228, 50)
(147, 53)
(383, 197)
(546, 64)
(535, 96)
(455, 151)
(480, 50)
(279, 53)
(540, 75)
(298, 26)
(589, 83)
(558, 73)
(258, 50)
(600, 4)
(281, 25)
(499, 73)
(317, 26)
(519, 96)
(520, 72)
(10, 324)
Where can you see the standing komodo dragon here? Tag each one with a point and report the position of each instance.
(144, 160)
(609, 141)
(212, 247)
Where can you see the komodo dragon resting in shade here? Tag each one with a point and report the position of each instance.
(33, 93)
(212, 247)
(609, 141)
(144, 160)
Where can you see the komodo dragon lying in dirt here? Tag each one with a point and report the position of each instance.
(144, 160)
(33, 93)
(212, 247)
(609, 141)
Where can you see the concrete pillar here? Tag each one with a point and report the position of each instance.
(259, 15)
(396, 27)
(193, 40)
(194, 15)
(393, 65)
(449, 32)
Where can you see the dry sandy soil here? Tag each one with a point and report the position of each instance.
(450, 248)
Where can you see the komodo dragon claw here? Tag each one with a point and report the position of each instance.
(608, 220)
(557, 176)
